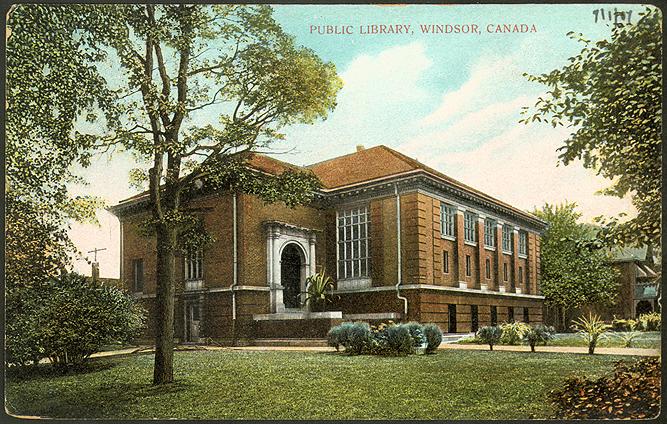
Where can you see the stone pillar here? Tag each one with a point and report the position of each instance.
(460, 252)
(95, 272)
(311, 255)
(481, 263)
(498, 266)
(276, 287)
(514, 275)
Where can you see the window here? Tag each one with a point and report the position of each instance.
(510, 313)
(526, 316)
(489, 232)
(468, 271)
(194, 269)
(507, 238)
(445, 262)
(470, 234)
(474, 318)
(522, 243)
(505, 276)
(451, 327)
(447, 216)
(353, 239)
(138, 275)
(494, 315)
(488, 269)
(520, 275)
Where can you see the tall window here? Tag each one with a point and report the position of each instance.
(445, 262)
(505, 276)
(138, 275)
(194, 264)
(494, 315)
(507, 238)
(489, 232)
(526, 315)
(520, 275)
(447, 216)
(522, 243)
(353, 240)
(469, 227)
(510, 313)
(488, 269)
(468, 271)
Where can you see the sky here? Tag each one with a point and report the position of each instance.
(450, 100)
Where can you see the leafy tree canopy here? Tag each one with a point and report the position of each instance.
(574, 266)
(611, 95)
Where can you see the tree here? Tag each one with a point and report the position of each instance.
(575, 269)
(169, 69)
(611, 95)
(46, 65)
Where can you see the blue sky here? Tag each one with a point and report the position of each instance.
(450, 100)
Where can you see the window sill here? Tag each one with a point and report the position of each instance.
(522, 256)
(446, 237)
(507, 252)
(470, 243)
(491, 248)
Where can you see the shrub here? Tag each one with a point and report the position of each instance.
(433, 337)
(416, 332)
(75, 318)
(490, 335)
(591, 329)
(632, 392)
(358, 338)
(319, 291)
(513, 332)
(650, 322)
(627, 337)
(337, 336)
(399, 340)
(538, 334)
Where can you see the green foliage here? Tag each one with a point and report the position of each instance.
(513, 332)
(650, 321)
(399, 340)
(319, 291)
(611, 94)
(628, 337)
(337, 335)
(591, 329)
(632, 392)
(358, 338)
(490, 335)
(623, 324)
(433, 335)
(71, 318)
(416, 332)
(574, 269)
(538, 334)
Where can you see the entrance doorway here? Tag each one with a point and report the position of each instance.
(192, 321)
(644, 307)
(452, 318)
(474, 318)
(290, 275)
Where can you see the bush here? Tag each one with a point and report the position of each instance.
(591, 329)
(358, 338)
(650, 322)
(417, 333)
(490, 335)
(623, 324)
(513, 332)
(433, 336)
(73, 319)
(539, 334)
(337, 336)
(632, 392)
(399, 340)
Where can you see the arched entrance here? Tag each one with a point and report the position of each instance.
(644, 307)
(291, 263)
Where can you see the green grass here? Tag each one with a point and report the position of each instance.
(648, 340)
(298, 385)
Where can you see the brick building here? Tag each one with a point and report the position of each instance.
(401, 240)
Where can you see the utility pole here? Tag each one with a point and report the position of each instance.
(95, 274)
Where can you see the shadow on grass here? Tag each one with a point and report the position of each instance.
(43, 371)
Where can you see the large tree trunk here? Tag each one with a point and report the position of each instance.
(163, 371)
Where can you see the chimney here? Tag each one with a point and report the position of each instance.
(96, 271)
(360, 147)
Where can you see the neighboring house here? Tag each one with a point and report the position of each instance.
(639, 282)
(401, 240)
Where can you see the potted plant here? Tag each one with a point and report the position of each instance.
(319, 291)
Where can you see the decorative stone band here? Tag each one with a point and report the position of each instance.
(280, 316)
(212, 290)
(439, 288)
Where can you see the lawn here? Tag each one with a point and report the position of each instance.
(648, 340)
(298, 385)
